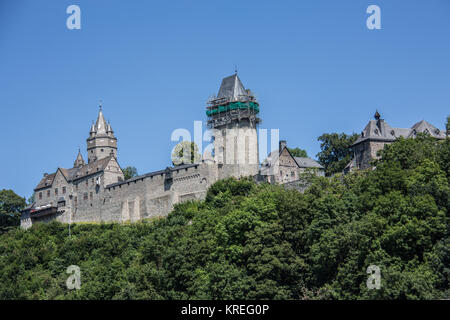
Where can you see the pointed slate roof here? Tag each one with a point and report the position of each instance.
(426, 127)
(79, 161)
(232, 88)
(100, 125)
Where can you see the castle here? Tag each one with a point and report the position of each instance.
(378, 133)
(97, 192)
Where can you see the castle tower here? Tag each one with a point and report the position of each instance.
(101, 142)
(232, 117)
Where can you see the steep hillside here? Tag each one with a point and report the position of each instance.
(248, 241)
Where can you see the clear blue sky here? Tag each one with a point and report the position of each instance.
(314, 66)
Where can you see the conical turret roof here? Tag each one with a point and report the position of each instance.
(79, 161)
(100, 125)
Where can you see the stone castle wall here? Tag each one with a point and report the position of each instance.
(95, 199)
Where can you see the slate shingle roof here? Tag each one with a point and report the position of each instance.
(307, 163)
(232, 88)
(302, 162)
(73, 174)
(382, 131)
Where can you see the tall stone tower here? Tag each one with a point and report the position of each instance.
(232, 117)
(101, 142)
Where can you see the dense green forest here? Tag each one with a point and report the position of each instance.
(260, 241)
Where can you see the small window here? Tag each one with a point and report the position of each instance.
(87, 182)
(75, 200)
(292, 173)
(101, 150)
(48, 193)
(85, 196)
(92, 180)
(56, 191)
(91, 195)
(40, 195)
(64, 190)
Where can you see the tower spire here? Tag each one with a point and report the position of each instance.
(79, 161)
(101, 142)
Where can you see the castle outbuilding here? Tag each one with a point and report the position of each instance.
(378, 133)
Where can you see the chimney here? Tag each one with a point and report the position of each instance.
(45, 174)
(282, 145)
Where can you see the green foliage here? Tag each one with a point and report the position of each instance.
(260, 241)
(129, 172)
(447, 126)
(185, 152)
(297, 152)
(31, 199)
(10, 207)
(336, 151)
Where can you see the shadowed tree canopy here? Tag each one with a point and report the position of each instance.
(297, 152)
(10, 207)
(129, 172)
(336, 151)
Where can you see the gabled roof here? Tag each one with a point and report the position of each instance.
(89, 169)
(73, 174)
(302, 162)
(46, 181)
